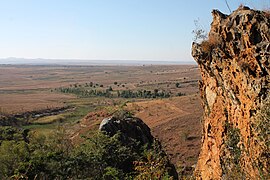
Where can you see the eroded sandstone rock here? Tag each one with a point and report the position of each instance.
(234, 64)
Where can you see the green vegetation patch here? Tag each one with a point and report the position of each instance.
(261, 130)
(230, 162)
(100, 157)
(84, 93)
(88, 90)
(48, 124)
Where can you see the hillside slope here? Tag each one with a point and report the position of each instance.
(234, 64)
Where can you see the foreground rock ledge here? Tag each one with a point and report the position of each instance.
(234, 64)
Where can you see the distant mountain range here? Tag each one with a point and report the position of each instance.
(40, 61)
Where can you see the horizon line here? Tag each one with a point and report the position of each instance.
(43, 61)
(82, 59)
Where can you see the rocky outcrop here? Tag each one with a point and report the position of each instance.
(136, 134)
(129, 127)
(234, 63)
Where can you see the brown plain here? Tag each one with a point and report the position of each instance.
(174, 121)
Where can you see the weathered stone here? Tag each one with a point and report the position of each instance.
(133, 128)
(235, 86)
(129, 127)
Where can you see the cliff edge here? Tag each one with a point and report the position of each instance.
(234, 64)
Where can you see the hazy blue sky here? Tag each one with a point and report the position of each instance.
(105, 29)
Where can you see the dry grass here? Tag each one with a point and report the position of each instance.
(18, 103)
(49, 119)
(166, 118)
(28, 88)
(267, 12)
(212, 42)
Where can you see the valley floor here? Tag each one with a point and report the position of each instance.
(174, 120)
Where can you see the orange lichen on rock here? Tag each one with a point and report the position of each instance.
(235, 86)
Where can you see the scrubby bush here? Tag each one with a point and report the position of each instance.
(261, 131)
(210, 43)
(230, 161)
(55, 157)
(153, 165)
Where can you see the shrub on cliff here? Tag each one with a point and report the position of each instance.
(210, 43)
(261, 130)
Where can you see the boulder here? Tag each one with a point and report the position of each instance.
(135, 134)
(129, 127)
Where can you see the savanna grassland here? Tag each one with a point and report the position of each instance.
(165, 97)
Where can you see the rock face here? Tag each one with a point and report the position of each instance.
(234, 64)
(130, 128)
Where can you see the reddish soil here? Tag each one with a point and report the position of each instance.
(176, 123)
(89, 124)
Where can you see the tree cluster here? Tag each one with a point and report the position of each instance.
(80, 92)
(109, 92)
(143, 94)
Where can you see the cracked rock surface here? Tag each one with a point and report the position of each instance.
(235, 70)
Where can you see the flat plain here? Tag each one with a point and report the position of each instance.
(174, 119)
